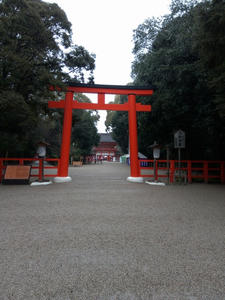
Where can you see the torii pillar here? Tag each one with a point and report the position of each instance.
(134, 163)
(131, 106)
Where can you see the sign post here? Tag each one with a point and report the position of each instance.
(179, 143)
(41, 152)
(156, 155)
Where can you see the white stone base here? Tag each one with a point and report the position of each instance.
(135, 179)
(62, 179)
(154, 182)
(34, 183)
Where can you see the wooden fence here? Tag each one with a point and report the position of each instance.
(37, 164)
(187, 170)
(172, 170)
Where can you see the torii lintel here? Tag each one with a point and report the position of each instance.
(101, 90)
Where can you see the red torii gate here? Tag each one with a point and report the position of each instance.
(131, 106)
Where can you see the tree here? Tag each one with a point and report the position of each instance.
(84, 130)
(36, 51)
(117, 123)
(210, 42)
(84, 133)
(166, 58)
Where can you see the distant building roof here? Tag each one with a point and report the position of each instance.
(140, 155)
(106, 137)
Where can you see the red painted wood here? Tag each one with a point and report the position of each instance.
(21, 161)
(77, 89)
(156, 170)
(205, 172)
(188, 168)
(189, 171)
(172, 170)
(101, 99)
(203, 169)
(40, 174)
(134, 164)
(66, 135)
(56, 104)
(131, 106)
(222, 172)
(141, 107)
(99, 106)
(1, 169)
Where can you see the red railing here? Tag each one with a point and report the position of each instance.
(186, 169)
(30, 161)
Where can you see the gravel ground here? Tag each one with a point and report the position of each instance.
(100, 237)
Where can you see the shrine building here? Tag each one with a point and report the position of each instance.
(107, 148)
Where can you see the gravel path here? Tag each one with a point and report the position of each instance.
(103, 238)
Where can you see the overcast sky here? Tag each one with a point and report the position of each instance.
(105, 28)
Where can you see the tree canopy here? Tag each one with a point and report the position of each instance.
(36, 51)
(181, 55)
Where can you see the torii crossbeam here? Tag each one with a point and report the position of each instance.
(131, 106)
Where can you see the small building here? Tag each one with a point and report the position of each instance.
(125, 159)
(107, 148)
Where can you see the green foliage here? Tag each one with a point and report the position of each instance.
(117, 123)
(110, 114)
(15, 114)
(174, 55)
(36, 51)
(181, 55)
(210, 42)
(84, 132)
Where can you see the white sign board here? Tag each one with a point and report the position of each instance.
(179, 139)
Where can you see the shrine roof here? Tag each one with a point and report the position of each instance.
(106, 137)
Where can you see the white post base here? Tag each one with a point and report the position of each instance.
(62, 179)
(34, 183)
(154, 182)
(135, 179)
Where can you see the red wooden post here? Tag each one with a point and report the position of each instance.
(40, 169)
(66, 135)
(172, 170)
(205, 172)
(134, 164)
(1, 169)
(156, 169)
(58, 168)
(222, 172)
(101, 98)
(189, 171)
